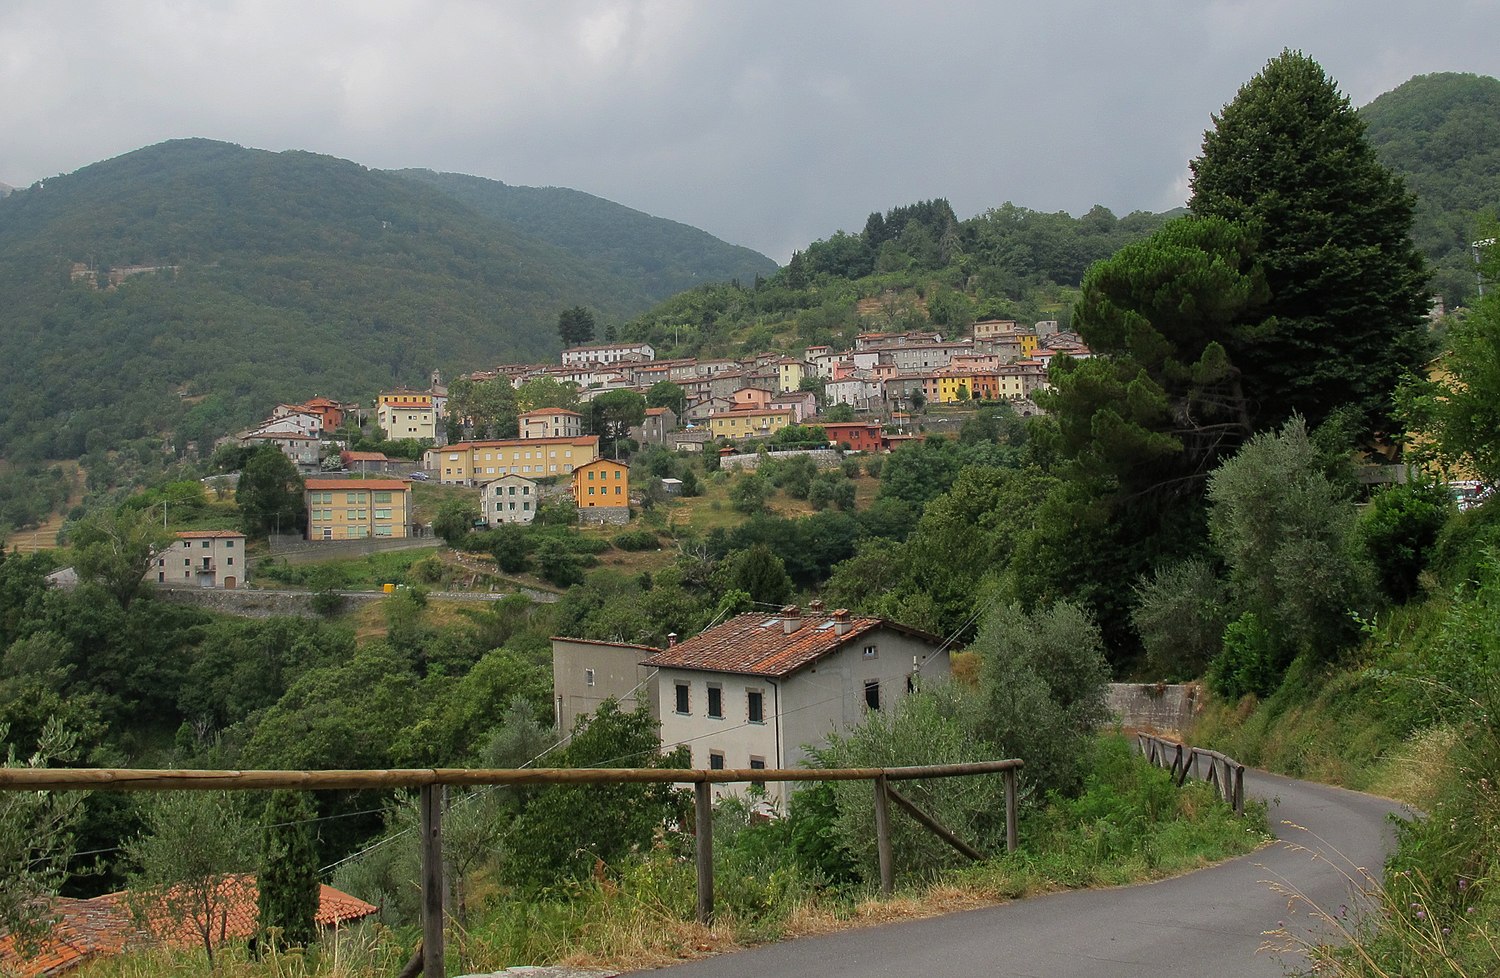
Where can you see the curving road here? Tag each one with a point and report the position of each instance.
(1207, 923)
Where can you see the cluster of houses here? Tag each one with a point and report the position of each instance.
(882, 376)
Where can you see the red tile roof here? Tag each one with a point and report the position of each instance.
(210, 535)
(757, 644)
(105, 925)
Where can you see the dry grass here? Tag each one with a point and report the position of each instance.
(1415, 771)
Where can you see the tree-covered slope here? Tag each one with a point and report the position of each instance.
(1441, 132)
(296, 274)
(664, 257)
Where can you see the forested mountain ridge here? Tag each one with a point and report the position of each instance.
(664, 256)
(295, 274)
(1441, 133)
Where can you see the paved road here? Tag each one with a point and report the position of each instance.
(1208, 923)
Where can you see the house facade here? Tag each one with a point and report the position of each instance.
(470, 463)
(601, 484)
(407, 414)
(550, 423)
(203, 558)
(608, 353)
(508, 499)
(758, 690)
(655, 426)
(585, 673)
(357, 509)
(749, 422)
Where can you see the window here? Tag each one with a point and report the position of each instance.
(755, 706)
(758, 764)
(715, 760)
(588, 677)
(187, 561)
(872, 693)
(383, 531)
(382, 497)
(682, 698)
(382, 514)
(871, 652)
(229, 561)
(715, 702)
(162, 562)
(229, 544)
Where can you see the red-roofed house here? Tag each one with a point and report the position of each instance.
(356, 509)
(760, 688)
(105, 925)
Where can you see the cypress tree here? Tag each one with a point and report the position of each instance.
(288, 871)
(1288, 159)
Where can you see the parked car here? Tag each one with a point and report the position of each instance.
(419, 477)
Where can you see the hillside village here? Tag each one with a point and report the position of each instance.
(862, 399)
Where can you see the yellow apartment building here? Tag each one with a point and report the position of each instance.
(357, 509)
(468, 463)
(406, 414)
(749, 422)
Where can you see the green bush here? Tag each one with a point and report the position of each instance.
(1400, 530)
(1247, 663)
(636, 540)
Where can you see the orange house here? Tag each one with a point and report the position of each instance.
(602, 482)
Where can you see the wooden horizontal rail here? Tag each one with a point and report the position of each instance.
(142, 779)
(1224, 772)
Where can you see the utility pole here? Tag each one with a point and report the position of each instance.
(1478, 268)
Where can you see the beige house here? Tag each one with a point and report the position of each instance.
(759, 689)
(407, 414)
(550, 423)
(585, 673)
(508, 499)
(203, 558)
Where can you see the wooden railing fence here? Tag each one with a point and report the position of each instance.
(432, 782)
(1219, 770)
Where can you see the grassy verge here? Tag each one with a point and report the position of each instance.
(365, 573)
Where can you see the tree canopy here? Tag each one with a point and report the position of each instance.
(1288, 159)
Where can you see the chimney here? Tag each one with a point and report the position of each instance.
(791, 619)
(841, 623)
(815, 606)
(671, 639)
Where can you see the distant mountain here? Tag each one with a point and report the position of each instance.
(277, 276)
(666, 257)
(1442, 133)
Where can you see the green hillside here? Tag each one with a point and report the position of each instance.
(1442, 133)
(663, 256)
(295, 274)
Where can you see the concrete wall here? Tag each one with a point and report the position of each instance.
(616, 673)
(254, 604)
(295, 550)
(1152, 707)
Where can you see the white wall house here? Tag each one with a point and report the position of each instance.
(508, 499)
(757, 690)
(608, 353)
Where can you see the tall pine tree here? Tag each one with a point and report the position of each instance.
(288, 872)
(1288, 158)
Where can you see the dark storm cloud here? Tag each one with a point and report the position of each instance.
(768, 124)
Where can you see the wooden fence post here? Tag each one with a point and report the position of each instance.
(703, 801)
(1012, 839)
(1239, 789)
(883, 838)
(431, 804)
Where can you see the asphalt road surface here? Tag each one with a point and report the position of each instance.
(1206, 924)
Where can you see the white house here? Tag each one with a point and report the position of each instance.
(756, 691)
(607, 353)
(550, 422)
(508, 499)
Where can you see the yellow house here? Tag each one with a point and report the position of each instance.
(789, 374)
(603, 482)
(356, 509)
(475, 462)
(749, 422)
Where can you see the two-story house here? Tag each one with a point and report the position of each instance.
(601, 484)
(407, 414)
(756, 691)
(550, 423)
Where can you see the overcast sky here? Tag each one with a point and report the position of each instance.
(769, 124)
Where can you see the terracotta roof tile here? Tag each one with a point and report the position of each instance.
(105, 925)
(757, 644)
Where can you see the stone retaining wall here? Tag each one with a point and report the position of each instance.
(255, 604)
(823, 458)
